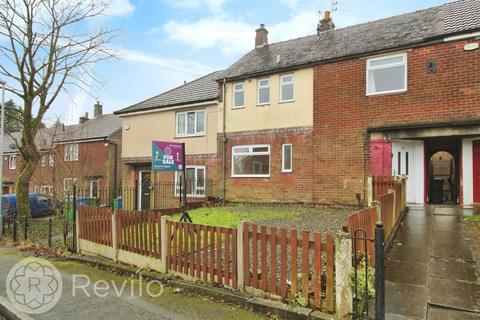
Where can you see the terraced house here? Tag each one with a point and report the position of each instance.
(310, 119)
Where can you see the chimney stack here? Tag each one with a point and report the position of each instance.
(97, 110)
(261, 36)
(326, 24)
(84, 118)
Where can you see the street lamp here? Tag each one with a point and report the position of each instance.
(2, 123)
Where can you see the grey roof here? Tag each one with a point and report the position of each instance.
(100, 128)
(199, 90)
(389, 33)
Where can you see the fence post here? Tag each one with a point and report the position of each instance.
(394, 214)
(2, 225)
(50, 232)
(240, 274)
(379, 272)
(378, 205)
(343, 268)
(14, 231)
(164, 244)
(135, 196)
(74, 211)
(369, 191)
(114, 236)
(76, 236)
(25, 229)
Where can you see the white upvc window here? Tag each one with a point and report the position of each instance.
(238, 95)
(287, 157)
(48, 190)
(191, 123)
(43, 160)
(195, 179)
(70, 152)
(12, 162)
(251, 161)
(287, 88)
(68, 184)
(94, 188)
(387, 74)
(51, 160)
(263, 91)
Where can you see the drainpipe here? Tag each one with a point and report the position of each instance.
(224, 140)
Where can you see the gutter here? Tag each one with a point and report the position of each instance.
(424, 125)
(205, 102)
(224, 140)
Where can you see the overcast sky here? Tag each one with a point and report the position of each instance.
(165, 42)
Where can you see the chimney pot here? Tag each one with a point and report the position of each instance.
(326, 23)
(261, 36)
(97, 110)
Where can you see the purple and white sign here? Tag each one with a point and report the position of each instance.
(167, 156)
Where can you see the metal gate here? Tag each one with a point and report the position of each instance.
(368, 281)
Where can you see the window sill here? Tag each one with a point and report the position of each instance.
(240, 107)
(287, 171)
(263, 104)
(191, 136)
(287, 101)
(251, 176)
(386, 93)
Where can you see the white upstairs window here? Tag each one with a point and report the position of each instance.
(12, 162)
(70, 152)
(191, 123)
(263, 91)
(238, 95)
(286, 88)
(387, 74)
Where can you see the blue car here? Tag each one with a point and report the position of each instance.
(40, 204)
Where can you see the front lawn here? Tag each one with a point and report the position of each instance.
(289, 217)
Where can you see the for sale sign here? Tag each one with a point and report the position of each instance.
(167, 156)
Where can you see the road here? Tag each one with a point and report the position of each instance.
(170, 305)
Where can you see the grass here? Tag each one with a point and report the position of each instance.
(231, 216)
(472, 218)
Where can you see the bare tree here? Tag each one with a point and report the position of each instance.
(47, 51)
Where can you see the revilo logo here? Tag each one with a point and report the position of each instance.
(34, 286)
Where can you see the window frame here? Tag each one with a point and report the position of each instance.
(186, 134)
(368, 68)
(43, 160)
(51, 160)
(283, 158)
(73, 182)
(250, 152)
(238, 91)
(282, 84)
(263, 87)
(204, 188)
(12, 164)
(68, 154)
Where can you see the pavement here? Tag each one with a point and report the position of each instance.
(430, 271)
(86, 305)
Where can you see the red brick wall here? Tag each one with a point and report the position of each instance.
(342, 111)
(280, 186)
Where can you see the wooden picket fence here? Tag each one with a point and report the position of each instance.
(204, 252)
(387, 205)
(95, 224)
(381, 185)
(364, 221)
(139, 232)
(273, 258)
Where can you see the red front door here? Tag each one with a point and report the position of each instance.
(476, 171)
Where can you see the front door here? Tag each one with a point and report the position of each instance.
(144, 190)
(476, 171)
(407, 159)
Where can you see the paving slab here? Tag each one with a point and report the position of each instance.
(454, 268)
(406, 300)
(446, 211)
(447, 236)
(408, 273)
(447, 314)
(454, 294)
(408, 254)
(452, 250)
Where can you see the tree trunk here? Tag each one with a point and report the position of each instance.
(27, 169)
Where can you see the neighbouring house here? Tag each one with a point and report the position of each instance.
(188, 114)
(86, 154)
(310, 119)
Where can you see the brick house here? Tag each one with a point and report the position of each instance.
(87, 154)
(378, 98)
(186, 114)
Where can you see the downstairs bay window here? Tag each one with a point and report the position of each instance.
(251, 161)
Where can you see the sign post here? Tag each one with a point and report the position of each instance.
(170, 156)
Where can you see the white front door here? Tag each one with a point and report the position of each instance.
(408, 160)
